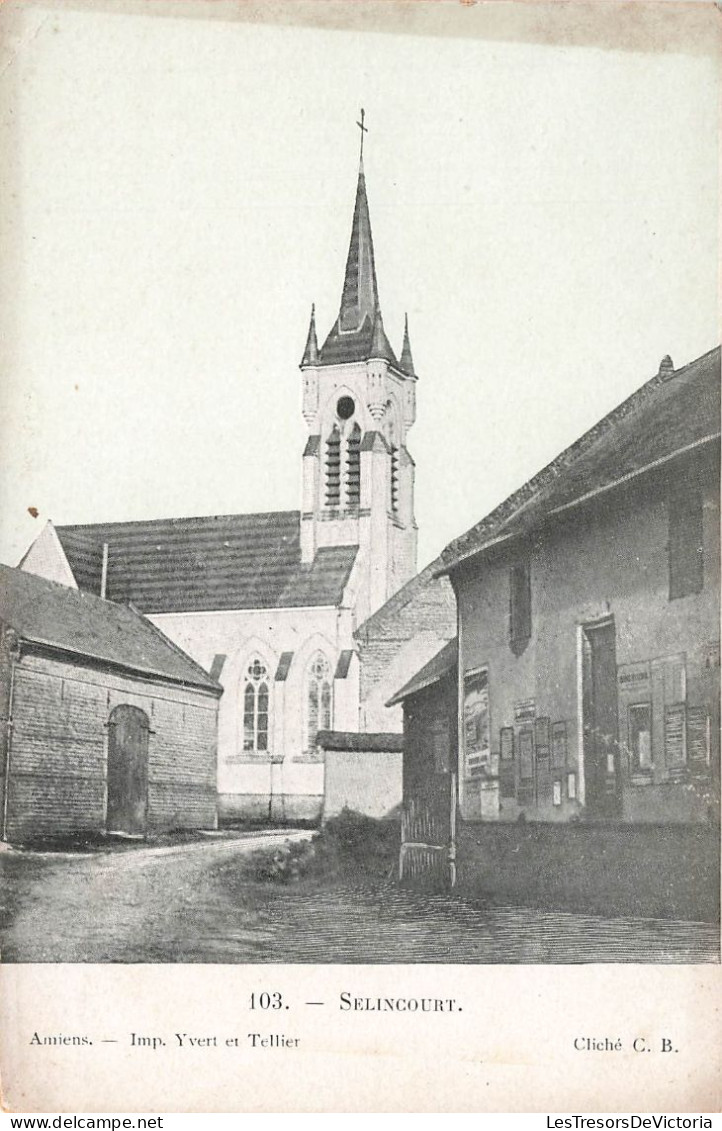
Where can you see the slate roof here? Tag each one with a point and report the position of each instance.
(242, 561)
(438, 666)
(58, 617)
(674, 412)
(371, 742)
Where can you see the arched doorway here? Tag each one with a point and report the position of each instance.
(128, 729)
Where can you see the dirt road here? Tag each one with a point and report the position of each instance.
(201, 903)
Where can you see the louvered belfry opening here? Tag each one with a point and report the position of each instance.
(333, 469)
(353, 468)
(394, 479)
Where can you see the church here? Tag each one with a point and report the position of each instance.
(270, 604)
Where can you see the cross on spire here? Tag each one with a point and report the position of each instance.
(364, 130)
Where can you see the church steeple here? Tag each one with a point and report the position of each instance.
(358, 332)
(359, 402)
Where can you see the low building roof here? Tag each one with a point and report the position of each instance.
(673, 413)
(386, 742)
(217, 562)
(54, 616)
(438, 666)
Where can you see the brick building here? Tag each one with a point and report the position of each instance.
(105, 725)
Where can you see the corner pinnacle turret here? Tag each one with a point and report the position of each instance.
(407, 361)
(310, 353)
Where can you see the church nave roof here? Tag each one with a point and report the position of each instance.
(217, 562)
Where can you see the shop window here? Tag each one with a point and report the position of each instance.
(686, 558)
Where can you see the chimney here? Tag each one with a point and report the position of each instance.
(666, 368)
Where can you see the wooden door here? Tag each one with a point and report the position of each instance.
(602, 780)
(128, 729)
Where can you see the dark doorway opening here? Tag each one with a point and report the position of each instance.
(602, 776)
(128, 729)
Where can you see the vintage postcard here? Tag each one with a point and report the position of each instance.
(359, 606)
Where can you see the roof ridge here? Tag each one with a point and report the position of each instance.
(175, 518)
(531, 490)
(36, 578)
(116, 619)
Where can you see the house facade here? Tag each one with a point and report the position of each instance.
(106, 726)
(588, 606)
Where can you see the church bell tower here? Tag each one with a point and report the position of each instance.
(359, 401)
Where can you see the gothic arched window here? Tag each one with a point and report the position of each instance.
(255, 707)
(353, 467)
(333, 468)
(319, 692)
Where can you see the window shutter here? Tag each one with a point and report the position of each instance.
(686, 567)
(520, 605)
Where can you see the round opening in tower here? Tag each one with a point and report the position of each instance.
(345, 408)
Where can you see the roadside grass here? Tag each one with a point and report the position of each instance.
(350, 846)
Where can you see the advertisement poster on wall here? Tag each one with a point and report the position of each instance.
(477, 747)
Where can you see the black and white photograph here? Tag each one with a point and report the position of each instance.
(360, 542)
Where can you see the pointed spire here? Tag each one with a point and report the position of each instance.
(407, 361)
(310, 354)
(358, 333)
(360, 292)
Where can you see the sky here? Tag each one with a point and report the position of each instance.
(177, 192)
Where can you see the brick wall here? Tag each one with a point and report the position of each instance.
(58, 753)
(397, 641)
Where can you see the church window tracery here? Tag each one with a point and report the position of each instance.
(255, 707)
(318, 699)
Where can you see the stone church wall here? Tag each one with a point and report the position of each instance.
(286, 781)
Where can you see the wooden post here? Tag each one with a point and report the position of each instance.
(452, 833)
